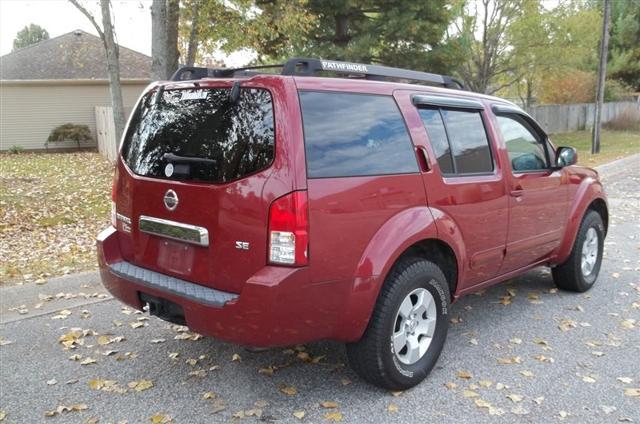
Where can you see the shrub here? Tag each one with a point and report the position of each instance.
(14, 150)
(628, 120)
(580, 87)
(576, 87)
(70, 132)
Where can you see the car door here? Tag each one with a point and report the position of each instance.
(464, 184)
(537, 191)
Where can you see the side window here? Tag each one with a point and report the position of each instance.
(432, 121)
(354, 135)
(459, 140)
(469, 142)
(526, 152)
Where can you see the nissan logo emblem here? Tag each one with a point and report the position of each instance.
(170, 200)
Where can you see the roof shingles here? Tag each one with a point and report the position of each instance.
(75, 55)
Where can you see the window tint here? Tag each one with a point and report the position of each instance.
(432, 121)
(469, 143)
(206, 136)
(354, 134)
(526, 153)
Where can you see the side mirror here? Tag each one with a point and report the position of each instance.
(566, 156)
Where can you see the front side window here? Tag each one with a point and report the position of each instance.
(202, 133)
(459, 140)
(526, 152)
(354, 135)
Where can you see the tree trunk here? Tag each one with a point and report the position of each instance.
(173, 55)
(113, 68)
(192, 46)
(159, 59)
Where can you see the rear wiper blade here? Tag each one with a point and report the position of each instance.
(170, 157)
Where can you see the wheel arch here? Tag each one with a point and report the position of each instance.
(440, 253)
(589, 196)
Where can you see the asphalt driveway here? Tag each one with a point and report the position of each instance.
(518, 352)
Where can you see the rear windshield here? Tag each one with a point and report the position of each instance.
(200, 134)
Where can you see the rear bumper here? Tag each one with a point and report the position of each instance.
(277, 306)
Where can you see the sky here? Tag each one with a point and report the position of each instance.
(132, 21)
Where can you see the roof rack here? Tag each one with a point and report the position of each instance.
(300, 66)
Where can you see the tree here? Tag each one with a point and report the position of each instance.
(557, 44)
(624, 51)
(107, 35)
(29, 35)
(400, 33)
(165, 15)
(484, 26)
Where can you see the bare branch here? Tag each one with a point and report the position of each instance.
(88, 14)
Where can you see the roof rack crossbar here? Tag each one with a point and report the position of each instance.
(300, 66)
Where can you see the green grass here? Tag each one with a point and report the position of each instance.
(613, 145)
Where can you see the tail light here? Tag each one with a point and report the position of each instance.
(114, 189)
(289, 230)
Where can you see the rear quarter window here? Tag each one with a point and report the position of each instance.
(354, 135)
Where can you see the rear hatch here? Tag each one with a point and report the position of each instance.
(189, 192)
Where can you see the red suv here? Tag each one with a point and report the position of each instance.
(272, 209)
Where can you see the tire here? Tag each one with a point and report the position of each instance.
(374, 357)
(571, 275)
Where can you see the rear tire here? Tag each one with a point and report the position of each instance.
(407, 329)
(580, 271)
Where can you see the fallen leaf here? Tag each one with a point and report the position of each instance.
(519, 410)
(208, 395)
(392, 407)
(527, 373)
(345, 381)
(450, 385)
(141, 385)
(329, 404)
(288, 390)
(298, 414)
(334, 416)
(464, 374)
(88, 361)
(52, 382)
(236, 358)
(161, 419)
(515, 398)
(632, 392)
(267, 370)
(539, 400)
(156, 341)
(625, 380)
(469, 394)
(588, 379)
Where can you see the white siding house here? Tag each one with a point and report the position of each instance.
(60, 81)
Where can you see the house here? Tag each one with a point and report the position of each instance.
(61, 80)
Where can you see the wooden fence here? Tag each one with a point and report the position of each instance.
(106, 133)
(576, 117)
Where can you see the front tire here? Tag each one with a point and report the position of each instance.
(407, 329)
(580, 271)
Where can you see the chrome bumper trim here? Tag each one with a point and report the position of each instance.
(172, 285)
(174, 230)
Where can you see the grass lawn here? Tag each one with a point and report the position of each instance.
(52, 206)
(613, 145)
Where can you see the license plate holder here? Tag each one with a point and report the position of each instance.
(176, 257)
